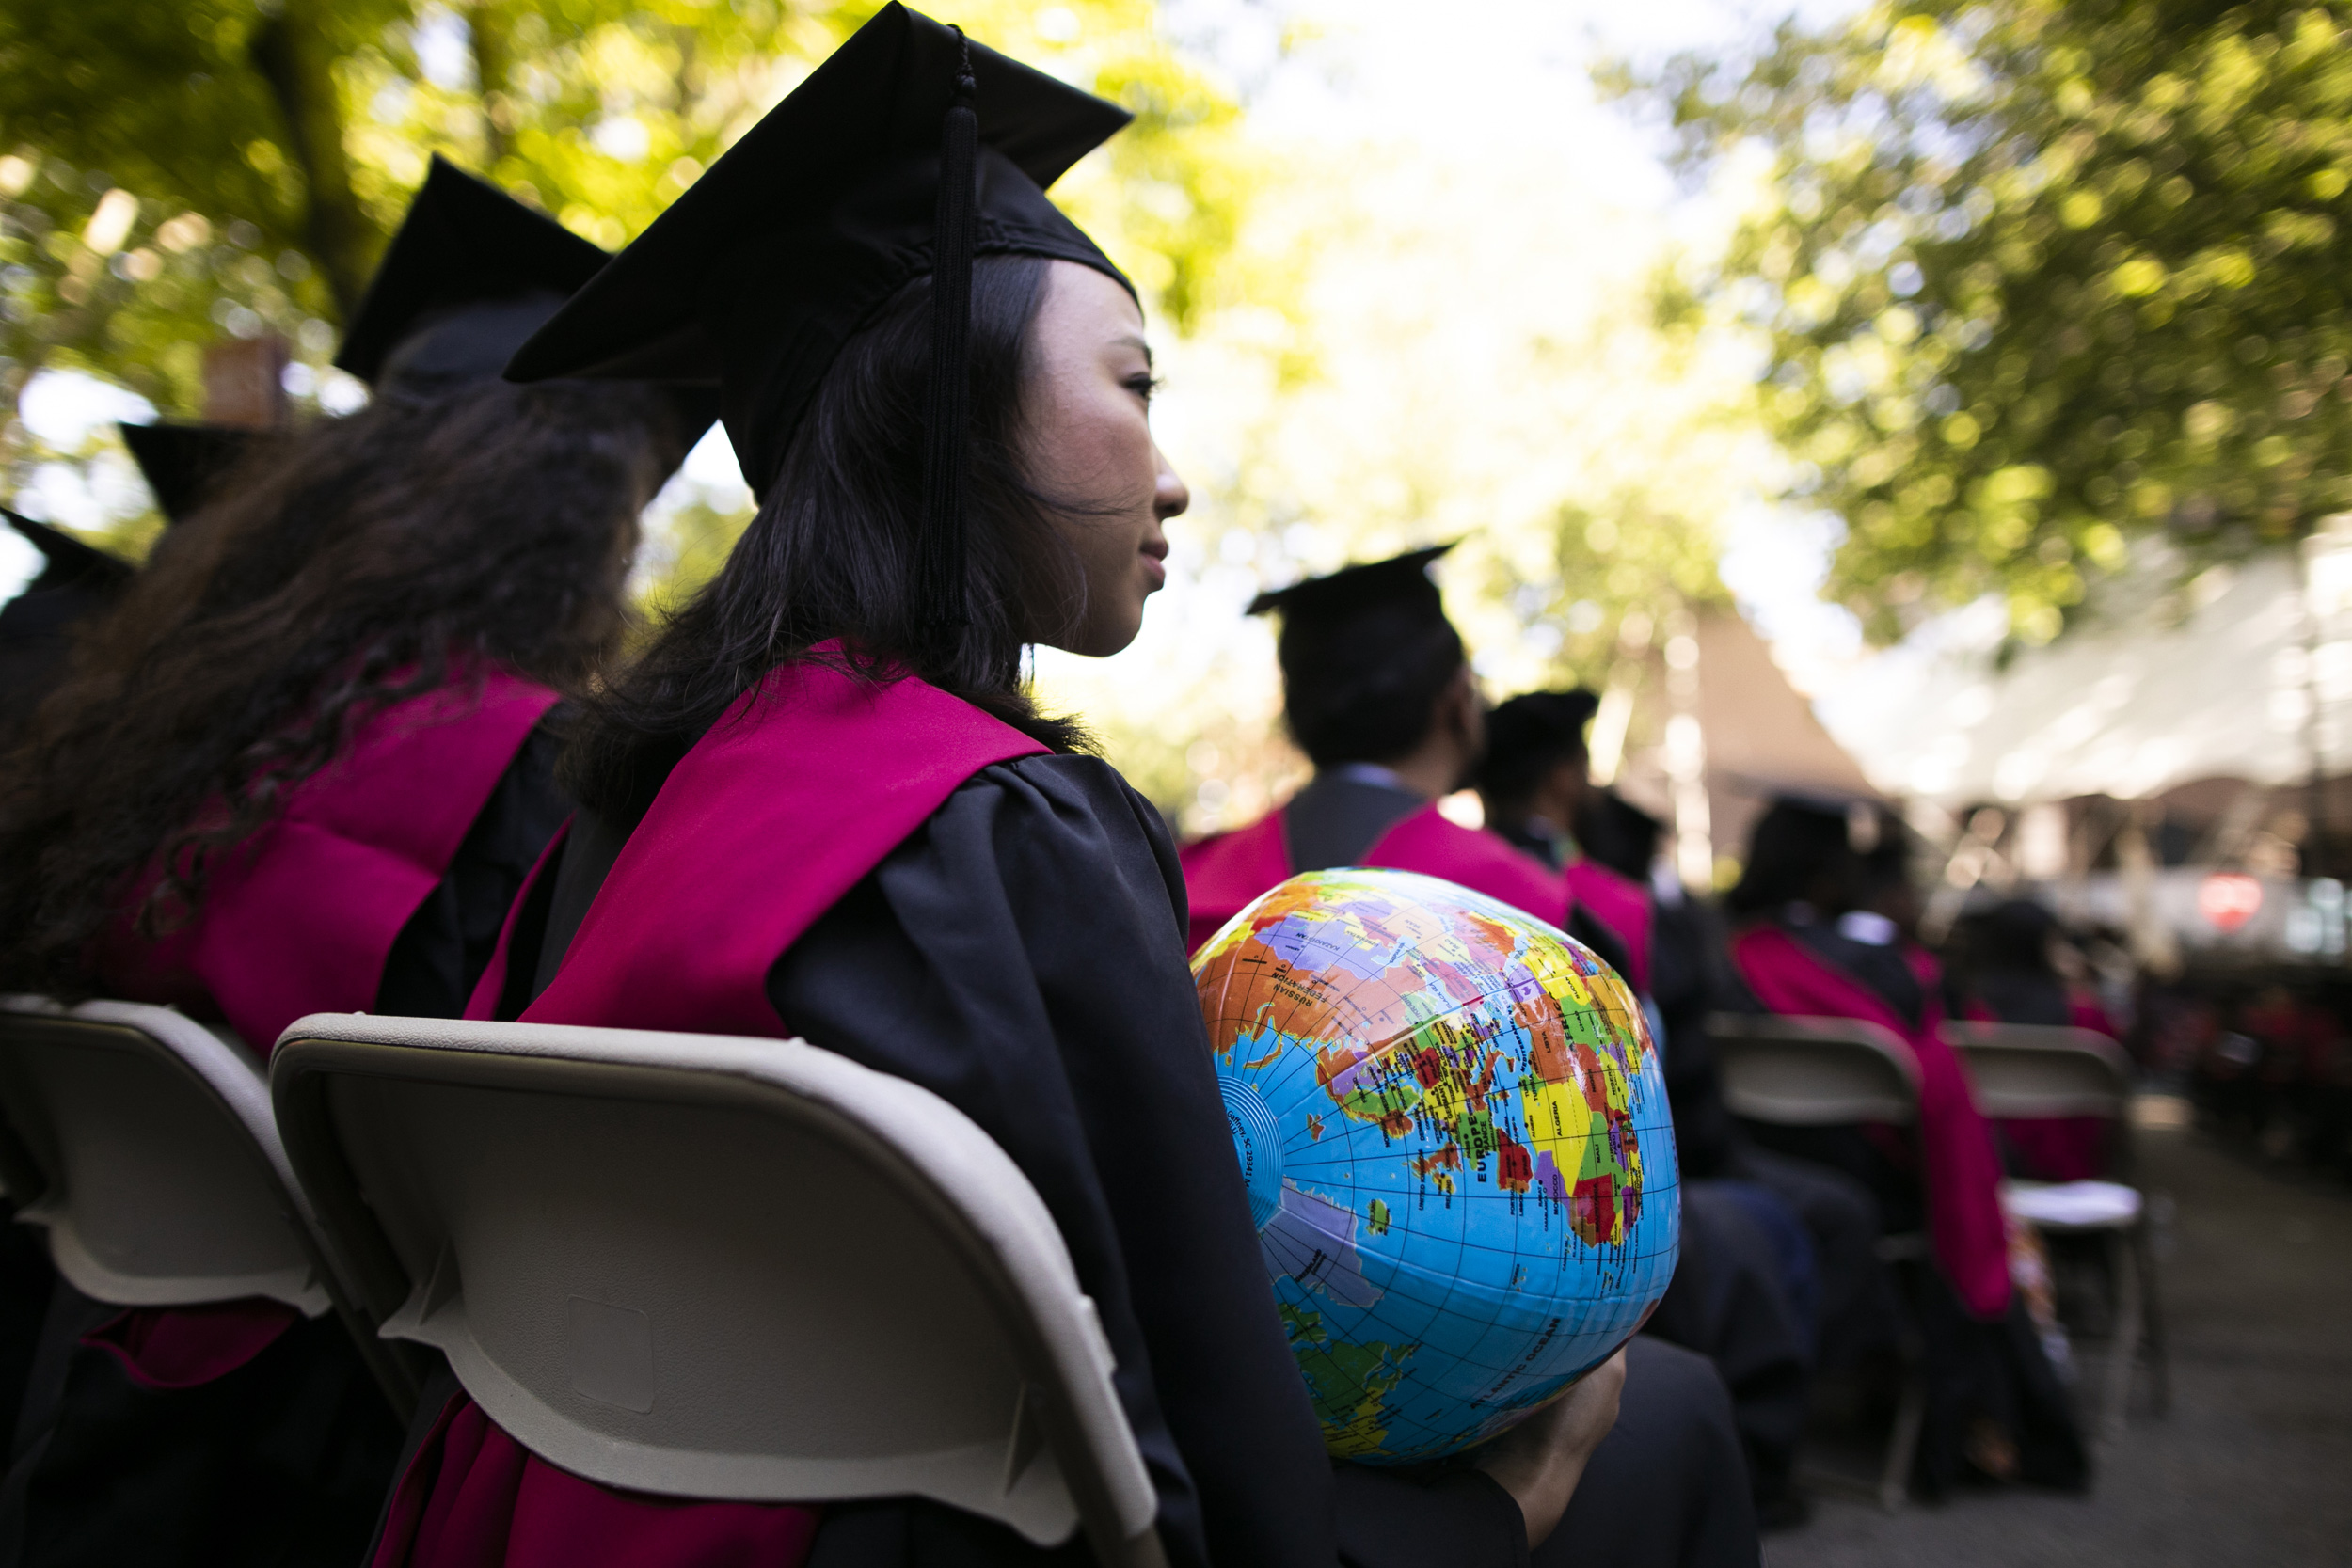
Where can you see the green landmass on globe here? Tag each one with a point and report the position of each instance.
(1356, 1379)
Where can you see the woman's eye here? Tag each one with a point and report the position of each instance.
(1143, 386)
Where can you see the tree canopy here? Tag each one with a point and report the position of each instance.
(172, 173)
(2039, 278)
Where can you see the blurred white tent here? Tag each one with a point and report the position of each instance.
(2237, 676)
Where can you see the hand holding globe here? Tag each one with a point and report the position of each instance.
(1540, 1460)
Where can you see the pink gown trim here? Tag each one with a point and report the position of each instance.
(1619, 903)
(1225, 871)
(473, 1498)
(1960, 1168)
(187, 1347)
(803, 788)
(301, 918)
(484, 1003)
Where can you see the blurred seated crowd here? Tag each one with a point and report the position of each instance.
(305, 759)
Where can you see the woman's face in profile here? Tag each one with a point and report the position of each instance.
(1088, 436)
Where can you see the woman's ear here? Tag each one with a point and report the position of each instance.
(1463, 715)
(1469, 712)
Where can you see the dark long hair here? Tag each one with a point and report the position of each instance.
(834, 554)
(1797, 853)
(364, 560)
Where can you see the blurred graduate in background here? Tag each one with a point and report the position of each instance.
(75, 582)
(1536, 783)
(1823, 926)
(302, 763)
(1378, 691)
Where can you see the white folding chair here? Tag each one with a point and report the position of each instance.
(141, 1142)
(1835, 1073)
(716, 1267)
(2038, 1071)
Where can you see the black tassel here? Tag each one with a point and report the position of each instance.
(946, 454)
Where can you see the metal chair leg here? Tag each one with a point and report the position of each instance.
(2124, 1347)
(2151, 1310)
(1903, 1444)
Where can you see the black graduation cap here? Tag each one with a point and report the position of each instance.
(1865, 822)
(1533, 731)
(183, 462)
(754, 279)
(67, 562)
(1401, 585)
(76, 581)
(470, 274)
(1548, 718)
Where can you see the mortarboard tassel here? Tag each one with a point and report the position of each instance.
(940, 553)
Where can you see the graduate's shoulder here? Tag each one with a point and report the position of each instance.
(1049, 830)
(1073, 777)
(1061, 795)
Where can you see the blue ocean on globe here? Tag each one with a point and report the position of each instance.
(1455, 1132)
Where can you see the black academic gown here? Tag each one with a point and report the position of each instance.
(1021, 953)
(285, 1460)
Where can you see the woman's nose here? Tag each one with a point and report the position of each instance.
(1169, 499)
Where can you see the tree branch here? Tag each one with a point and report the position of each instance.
(491, 33)
(289, 53)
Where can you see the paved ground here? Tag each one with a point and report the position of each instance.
(2254, 1463)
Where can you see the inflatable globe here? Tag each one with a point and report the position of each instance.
(1454, 1134)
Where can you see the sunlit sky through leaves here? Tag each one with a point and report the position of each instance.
(1485, 197)
(1448, 191)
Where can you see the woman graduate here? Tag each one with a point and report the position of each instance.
(822, 805)
(1813, 936)
(301, 766)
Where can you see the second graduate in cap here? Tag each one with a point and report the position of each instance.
(299, 765)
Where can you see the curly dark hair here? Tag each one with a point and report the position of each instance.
(361, 562)
(834, 552)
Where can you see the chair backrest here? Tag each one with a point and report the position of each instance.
(716, 1267)
(142, 1141)
(1814, 1072)
(2033, 1070)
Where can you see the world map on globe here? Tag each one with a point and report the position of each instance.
(1454, 1134)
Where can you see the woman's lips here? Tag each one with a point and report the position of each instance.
(1153, 573)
